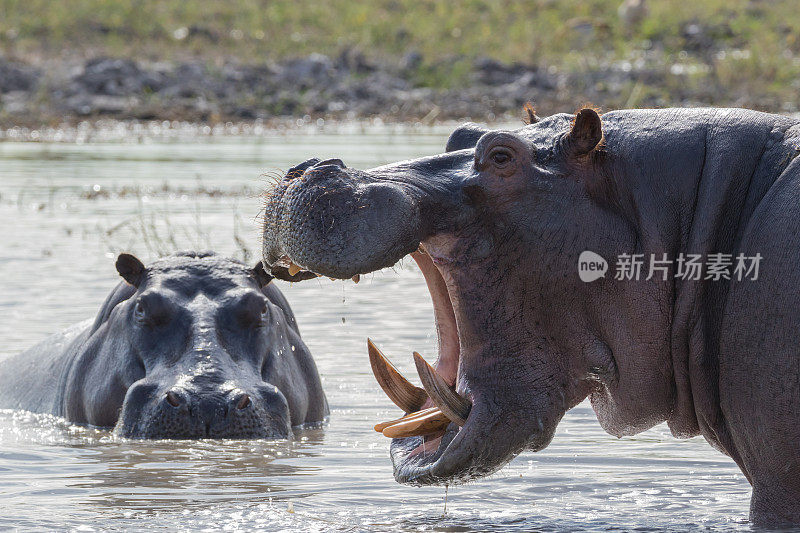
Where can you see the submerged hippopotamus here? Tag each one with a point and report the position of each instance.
(193, 346)
(498, 224)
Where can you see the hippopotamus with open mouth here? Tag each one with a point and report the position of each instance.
(497, 225)
(193, 346)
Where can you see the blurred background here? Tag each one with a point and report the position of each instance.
(400, 60)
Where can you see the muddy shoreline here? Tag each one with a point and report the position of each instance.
(61, 93)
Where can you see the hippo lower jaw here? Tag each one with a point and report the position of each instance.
(452, 448)
(458, 455)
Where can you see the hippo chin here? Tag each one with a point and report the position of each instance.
(193, 346)
(497, 225)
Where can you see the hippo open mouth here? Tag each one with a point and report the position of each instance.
(435, 414)
(445, 435)
(433, 441)
(499, 385)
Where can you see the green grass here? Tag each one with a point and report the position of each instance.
(529, 31)
(567, 34)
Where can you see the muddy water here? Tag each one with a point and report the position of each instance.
(67, 209)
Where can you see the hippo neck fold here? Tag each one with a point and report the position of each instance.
(697, 182)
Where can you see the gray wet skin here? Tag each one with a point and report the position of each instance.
(504, 216)
(192, 346)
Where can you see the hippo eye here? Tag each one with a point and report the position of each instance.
(500, 156)
(265, 315)
(139, 312)
(151, 310)
(252, 312)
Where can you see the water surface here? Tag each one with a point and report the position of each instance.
(67, 209)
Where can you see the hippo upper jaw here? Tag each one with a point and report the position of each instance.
(368, 220)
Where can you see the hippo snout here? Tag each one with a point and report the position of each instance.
(215, 412)
(370, 215)
(197, 413)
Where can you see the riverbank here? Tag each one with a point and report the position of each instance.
(52, 93)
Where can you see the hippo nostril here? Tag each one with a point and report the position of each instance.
(243, 402)
(173, 399)
(331, 162)
(297, 171)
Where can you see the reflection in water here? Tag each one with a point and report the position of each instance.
(184, 473)
(119, 476)
(57, 267)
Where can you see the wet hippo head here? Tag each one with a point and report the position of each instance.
(496, 225)
(195, 346)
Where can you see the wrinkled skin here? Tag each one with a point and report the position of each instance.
(193, 346)
(500, 220)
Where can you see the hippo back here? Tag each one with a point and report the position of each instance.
(33, 379)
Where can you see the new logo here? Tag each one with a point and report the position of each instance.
(591, 266)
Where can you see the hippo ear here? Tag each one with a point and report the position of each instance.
(530, 114)
(130, 268)
(261, 275)
(586, 133)
(465, 136)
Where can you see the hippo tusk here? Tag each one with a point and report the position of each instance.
(294, 269)
(452, 404)
(405, 418)
(282, 273)
(402, 392)
(417, 424)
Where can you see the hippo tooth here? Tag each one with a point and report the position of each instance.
(356, 278)
(420, 425)
(383, 425)
(294, 269)
(402, 392)
(449, 401)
